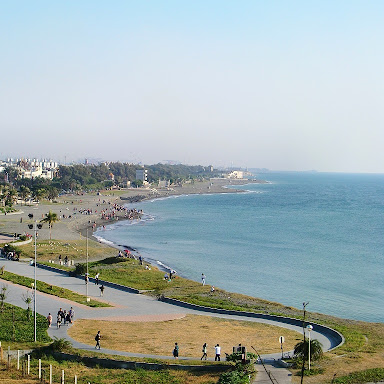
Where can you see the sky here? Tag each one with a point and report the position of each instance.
(283, 85)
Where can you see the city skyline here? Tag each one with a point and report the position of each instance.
(290, 86)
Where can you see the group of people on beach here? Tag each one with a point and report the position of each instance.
(63, 317)
(116, 210)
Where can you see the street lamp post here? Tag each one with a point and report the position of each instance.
(35, 226)
(87, 275)
(303, 365)
(309, 328)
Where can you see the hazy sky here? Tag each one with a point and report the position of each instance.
(286, 85)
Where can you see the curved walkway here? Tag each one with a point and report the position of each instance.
(127, 307)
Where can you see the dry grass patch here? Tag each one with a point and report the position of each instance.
(190, 333)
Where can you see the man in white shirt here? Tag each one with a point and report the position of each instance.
(217, 352)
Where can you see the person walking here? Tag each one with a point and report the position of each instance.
(71, 315)
(204, 352)
(97, 278)
(97, 338)
(176, 351)
(49, 318)
(101, 290)
(203, 279)
(217, 352)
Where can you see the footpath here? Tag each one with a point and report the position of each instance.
(128, 306)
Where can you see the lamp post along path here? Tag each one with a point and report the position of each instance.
(35, 226)
(309, 328)
(87, 275)
(34, 296)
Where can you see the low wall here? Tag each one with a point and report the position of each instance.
(334, 337)
(121, 364)
(17, 243)
(54, 269)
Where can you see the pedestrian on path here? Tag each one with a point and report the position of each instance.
(203, 279)
(101, 290)
(204, 352)
(97, 278)
(176, 351)
(61, 314)
(217, 352)
(58, 321)
(97, 338)
(49, 318)
(71, 315)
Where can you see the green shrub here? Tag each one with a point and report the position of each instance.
(10, 248)
(233, 377)
(241, 374)
(61, 345)
(80, 269)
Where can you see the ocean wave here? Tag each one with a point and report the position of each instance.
(252, 191)
(165, 198)
(104, 241)
(164, 266)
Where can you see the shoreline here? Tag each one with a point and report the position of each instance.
(75, 221)
(222, 188)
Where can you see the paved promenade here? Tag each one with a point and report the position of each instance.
(126, 307)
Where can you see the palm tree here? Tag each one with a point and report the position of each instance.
(8, 195)
(301, 350)
(24, 193)
(50, 218)
(39, 194)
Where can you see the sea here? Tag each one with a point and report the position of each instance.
(301, 237)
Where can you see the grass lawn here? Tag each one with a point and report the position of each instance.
(51, 289)
(190, 332)
(17, 331)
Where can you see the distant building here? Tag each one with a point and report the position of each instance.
(142, 174)
(31, 168)
(236, 175)
(163, 184)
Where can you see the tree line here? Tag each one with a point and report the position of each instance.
(79, 177)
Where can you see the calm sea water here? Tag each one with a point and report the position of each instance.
(304, 237)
